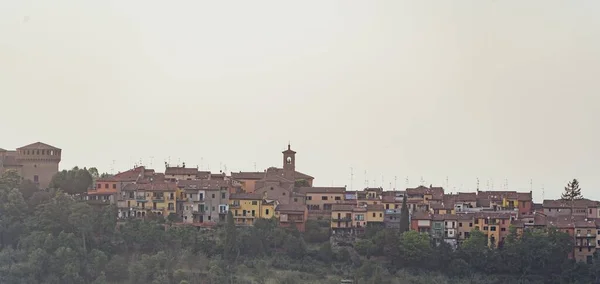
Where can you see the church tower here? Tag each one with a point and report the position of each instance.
(289, 164)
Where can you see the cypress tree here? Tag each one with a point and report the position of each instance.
(404, 218)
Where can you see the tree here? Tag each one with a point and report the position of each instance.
(74, 181)
(230, 248)
(404, 217)
(572, 192)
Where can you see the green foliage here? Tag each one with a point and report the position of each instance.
(404, 216)
(572, 191)
(74, 181)
(52, 238)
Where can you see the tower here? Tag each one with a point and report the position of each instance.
(38, 162)
(289, 163)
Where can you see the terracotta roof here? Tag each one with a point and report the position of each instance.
(204, 184)
(248, 175)
(163, 186)
(441, 205)
(390, 199)
(202, 174)
(181, 171)
(38, 146)
(524, 196)
(246, 196)
(443, 217)
(420, 216)
(375, 207)
(467, 196)
(377, 189)
(306, 190)
(564, 222)
(134, 174)
(579, 203)
(585, 224)
(291, 207)
(342, 207)
(494, 215)
(437, 193)
(465, 217)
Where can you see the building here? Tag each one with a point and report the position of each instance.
(585, 240)
(581, 207)
(289, 215)
(204, 201)
(143, 199)
(375, 215)
(319, 200)
(37, 162)
(248, 207)
(251, 181)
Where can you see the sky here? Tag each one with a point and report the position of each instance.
(408, 92)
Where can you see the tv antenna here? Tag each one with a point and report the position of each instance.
(151, 161)
(395, 182)
(112, 167)
(422, 181)
(447, 185)
(255, 166)
(531, 184)
(477, 184)
(351, 177)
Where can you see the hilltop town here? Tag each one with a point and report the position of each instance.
(201, 198)
(189, 198)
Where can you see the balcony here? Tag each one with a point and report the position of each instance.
(158, 198)
(140, 198)
(234, 206)
(342, 219)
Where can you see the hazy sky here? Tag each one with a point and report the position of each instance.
(457, 89)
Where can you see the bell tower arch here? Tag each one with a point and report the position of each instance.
(289, 163)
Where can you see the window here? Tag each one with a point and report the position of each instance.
(485, 228)
(309, 198)
(254, 202)
(213, 195)
(476, 221)
(99, 186)
(380, 215)
(503, 229)
(222, 195)
(208, 217)
(323, 197)
(387, 206)
(36, 179)
(493, 228)
(253, 213)
(445, 223)
(295, 199)
(114, 186)
(590, 211)
(373, 214)
(266, 211)
(106, 185)
(213, 208)
(338, 198)
(283, 193)
(460, 224)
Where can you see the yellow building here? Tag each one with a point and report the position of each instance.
(375, 214)
(158, 198)
(247, 207)
(494, 225)
(341, 217)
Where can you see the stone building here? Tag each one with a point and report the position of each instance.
(37, 162)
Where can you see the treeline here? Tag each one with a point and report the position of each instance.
(49, 237)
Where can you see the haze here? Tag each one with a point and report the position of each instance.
(492, 90)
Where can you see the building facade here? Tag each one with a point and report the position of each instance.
(37, 162)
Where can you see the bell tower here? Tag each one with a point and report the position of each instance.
(289, 163)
